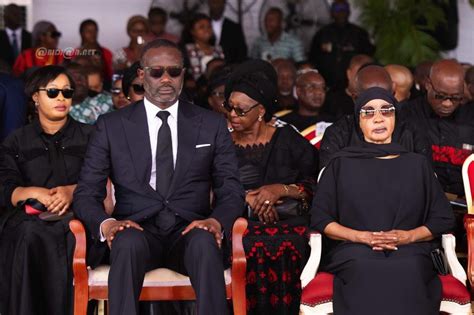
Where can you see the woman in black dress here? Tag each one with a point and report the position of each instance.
(383, 211)
(39, 169)
(276, 165)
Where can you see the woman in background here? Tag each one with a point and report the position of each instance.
(199, 45)
(44, 52)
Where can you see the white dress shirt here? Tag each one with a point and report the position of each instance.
(154, 124)
(17, 32)
(217, 28)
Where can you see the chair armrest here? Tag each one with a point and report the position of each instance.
(449, 245)
(469, 226)
(239, 261)
(309, 271)
(79, 266)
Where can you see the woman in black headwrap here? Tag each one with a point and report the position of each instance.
(383, 211)
(277, 168)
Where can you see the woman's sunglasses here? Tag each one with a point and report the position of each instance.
(238, 111)
(158, 72)
(115, 91)
(370, 112)
(53, 92)
(138, 89)
(54, 34)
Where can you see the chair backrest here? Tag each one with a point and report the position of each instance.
(468, 180)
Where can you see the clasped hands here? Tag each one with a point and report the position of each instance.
(57, 199)
(389, 240)
(112, 227)
(263, 200)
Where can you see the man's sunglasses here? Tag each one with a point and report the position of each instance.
(158, 72)
(138, 89)
(53, 92)
(54, 34)
(443, 97)
(239, 111)
(370, 112)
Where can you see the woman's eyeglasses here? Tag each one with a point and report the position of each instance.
(138, 89)
(158, 72)
(54, 34)
(116, 91)
(369, 112)
(239, 111)
(53, 92)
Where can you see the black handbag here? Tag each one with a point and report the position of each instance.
(439, 261)
(288, 208)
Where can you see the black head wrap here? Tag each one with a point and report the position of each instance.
(358, 148)
(218, 78)
(258, 80)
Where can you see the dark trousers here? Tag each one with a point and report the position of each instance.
(195, 254)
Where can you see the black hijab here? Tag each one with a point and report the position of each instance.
(359, 148)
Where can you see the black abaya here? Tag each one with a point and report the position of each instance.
(370, 194)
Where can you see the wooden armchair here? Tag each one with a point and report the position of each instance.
(159, 284)
(468, 180)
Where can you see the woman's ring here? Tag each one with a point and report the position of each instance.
(267, 202)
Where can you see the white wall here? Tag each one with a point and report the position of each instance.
(112, 17)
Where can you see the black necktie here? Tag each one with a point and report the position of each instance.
(14, 45)
(164, 156)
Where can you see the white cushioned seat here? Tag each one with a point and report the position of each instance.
(161, 277)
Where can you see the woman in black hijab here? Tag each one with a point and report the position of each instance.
(383, 211)
(277, 169)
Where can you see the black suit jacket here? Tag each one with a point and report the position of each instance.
(6, 52)
(120, 149)
(233, 42)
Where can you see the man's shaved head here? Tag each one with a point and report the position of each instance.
(354, 65)
(445, 88)
(403, 79)
(372, 76)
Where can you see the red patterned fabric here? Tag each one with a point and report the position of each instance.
(449, 155)
(320, 290)
(276, 255)
(310, 136)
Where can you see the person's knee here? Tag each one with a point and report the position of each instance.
(201, 244)
(130, 241)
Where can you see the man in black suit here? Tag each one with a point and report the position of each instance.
(13, 39)
(163, 156)
(229, 35)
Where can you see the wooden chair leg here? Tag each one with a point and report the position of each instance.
(240, 307)
(80, 302)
